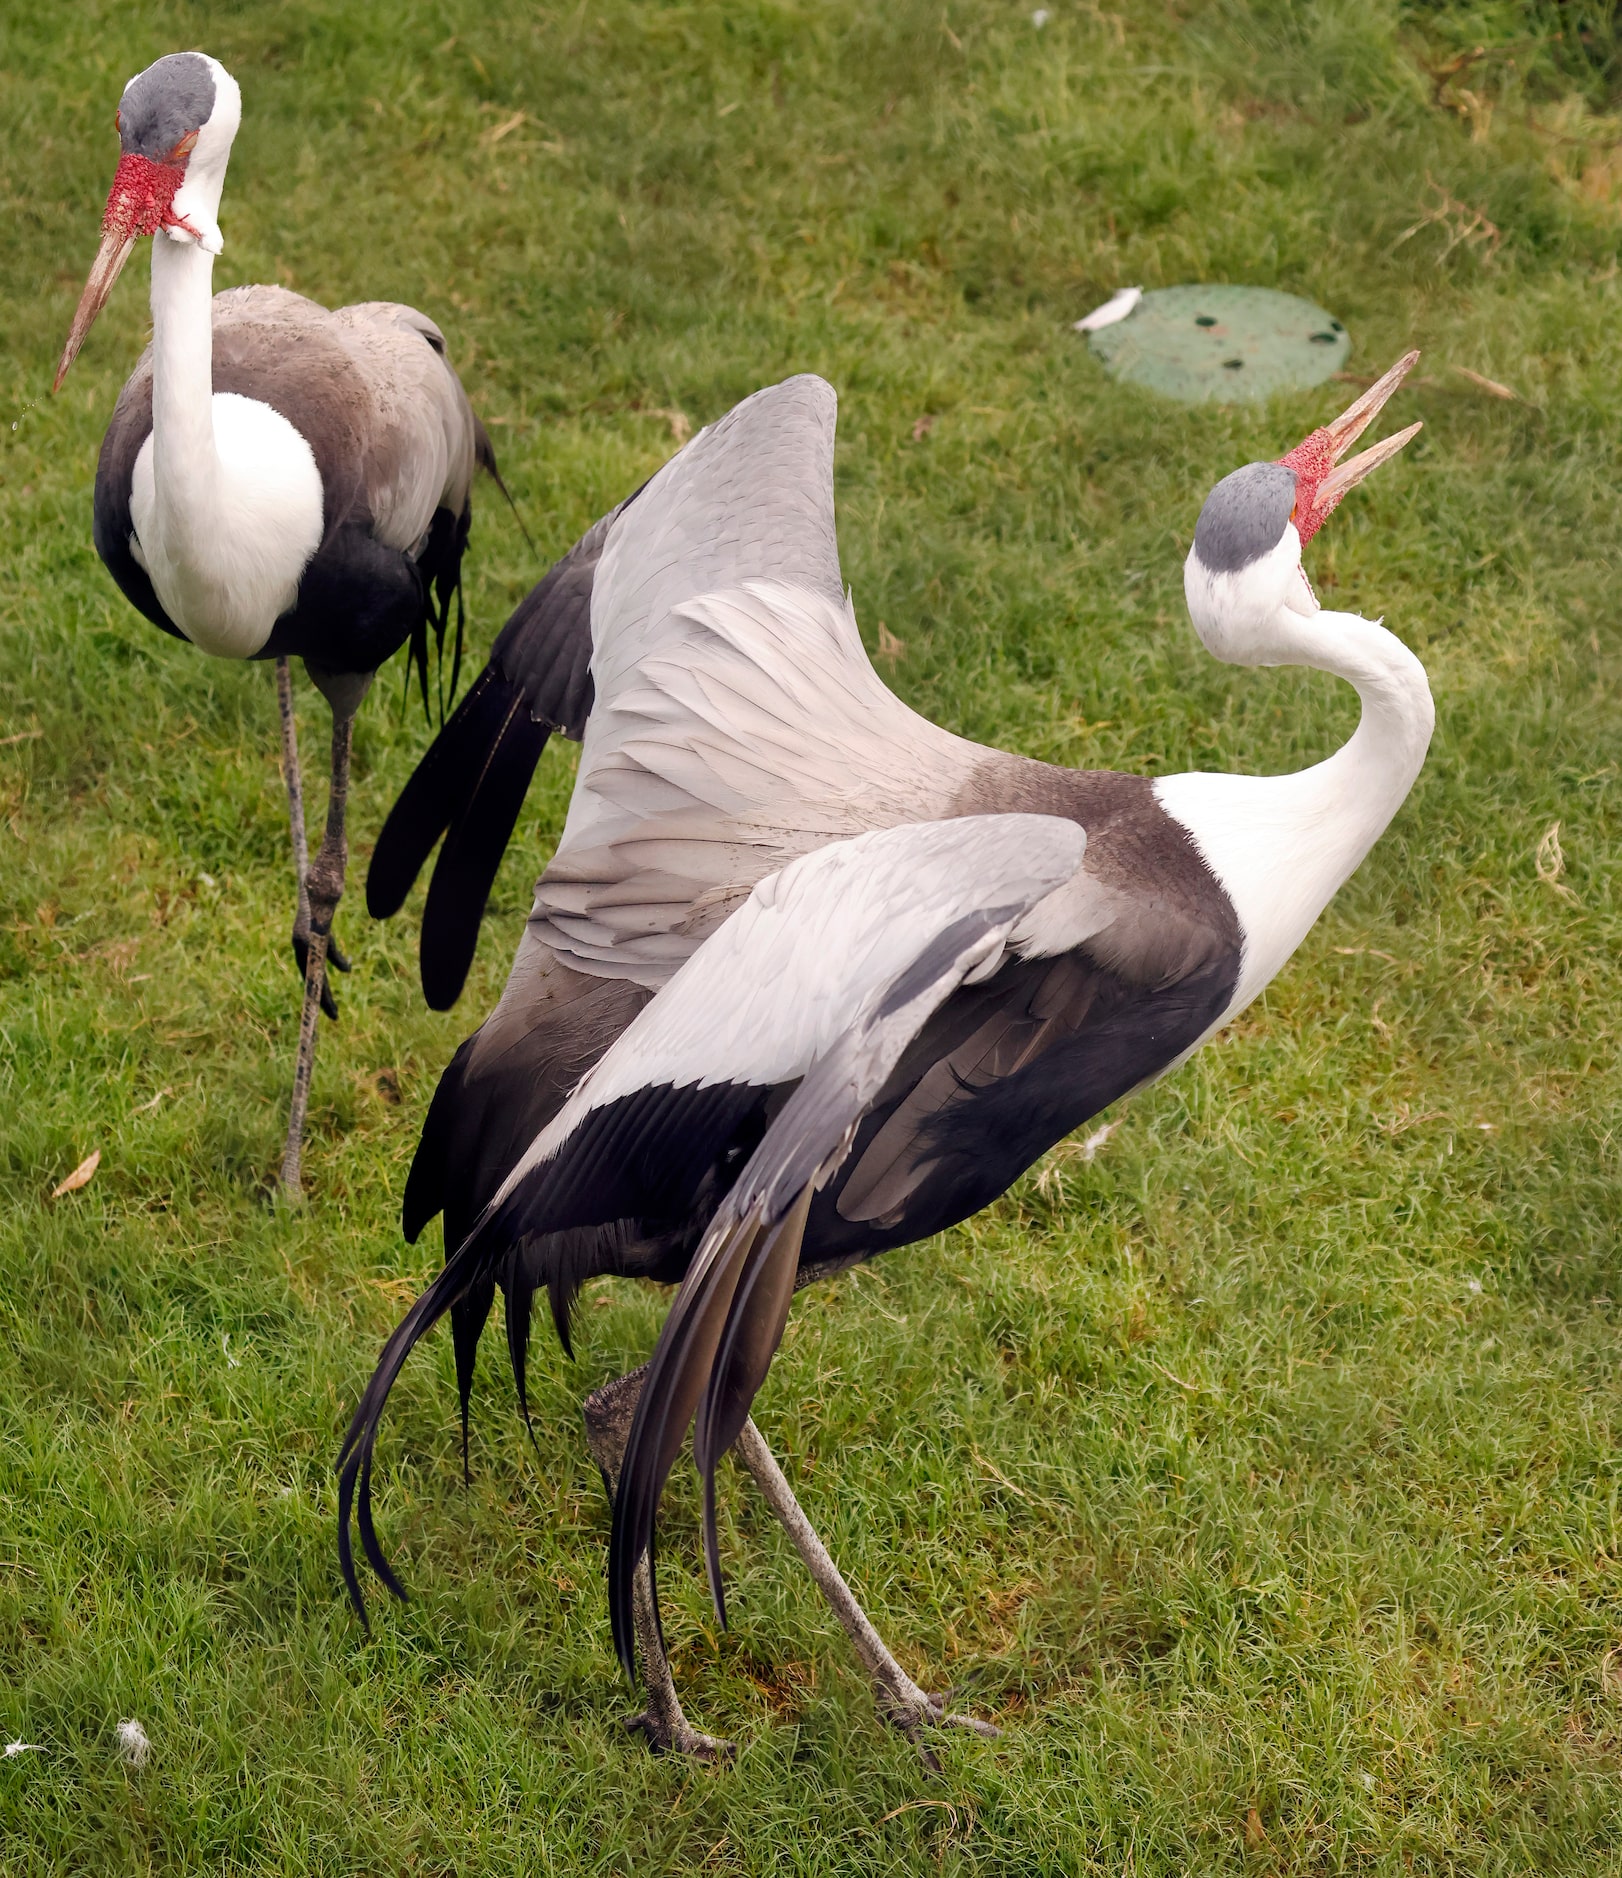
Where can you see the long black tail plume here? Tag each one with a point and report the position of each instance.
(468, 1315)
(462, 1273)
(469, 787)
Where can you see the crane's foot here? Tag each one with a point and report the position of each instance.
(608, 1412)
(899, 1699)
(336, 962)
(676, 1735)
(915, 1711)
(661, 1723)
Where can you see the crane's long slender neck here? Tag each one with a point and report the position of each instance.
(185, 459)
(1364, 783)
(1283, 845)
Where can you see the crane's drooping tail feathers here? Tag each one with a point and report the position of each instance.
(485, 455)
(468, 1317)
(460, 1274)
(754, 1328)
(495, 1254)
(470, 787)
(715, 1347)
(721, 1333)
(440, 562)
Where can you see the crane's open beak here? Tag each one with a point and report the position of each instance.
(1324, 478)
(140, 202)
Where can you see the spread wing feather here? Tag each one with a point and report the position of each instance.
(471, 783)
(750, 497)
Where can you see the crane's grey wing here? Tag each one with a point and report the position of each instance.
(421, 442)
(758, 733)
(737, 720)
(750, 496)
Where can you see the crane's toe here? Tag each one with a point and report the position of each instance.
(914, 1711)
(336, 961)
(676, 1735)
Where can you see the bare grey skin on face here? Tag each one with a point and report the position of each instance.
(1244, 516)
(163, 103)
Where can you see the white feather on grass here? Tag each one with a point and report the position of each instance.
(1115, 308)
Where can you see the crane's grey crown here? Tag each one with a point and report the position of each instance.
(165, 101)
(1244, 516)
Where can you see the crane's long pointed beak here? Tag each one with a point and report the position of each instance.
(1349, 474)
(1325, 477)
(110, 258)
(1345, 430)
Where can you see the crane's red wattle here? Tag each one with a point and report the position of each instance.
(142, 198)
(1312, 459)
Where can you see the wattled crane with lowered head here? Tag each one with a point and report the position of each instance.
(278, 481)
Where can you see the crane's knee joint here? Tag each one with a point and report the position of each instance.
(608, 1412)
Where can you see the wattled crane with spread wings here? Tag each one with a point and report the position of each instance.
(810, 978)
(278, 481)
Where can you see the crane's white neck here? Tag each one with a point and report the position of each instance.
(183, 308)
(1282, 845)
(183, 372)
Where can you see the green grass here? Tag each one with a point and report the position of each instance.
(1259, 1475)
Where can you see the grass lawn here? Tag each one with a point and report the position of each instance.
(1258, 1474)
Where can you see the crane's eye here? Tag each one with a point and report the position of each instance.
(118, 122)
(183, 149)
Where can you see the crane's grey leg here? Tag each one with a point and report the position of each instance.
(293, 775)
(325, 885)
(899, 1698)
(608, 1415)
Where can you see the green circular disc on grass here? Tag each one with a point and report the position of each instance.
(1223, 345)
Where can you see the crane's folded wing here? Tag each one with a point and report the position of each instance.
(655, 1132)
